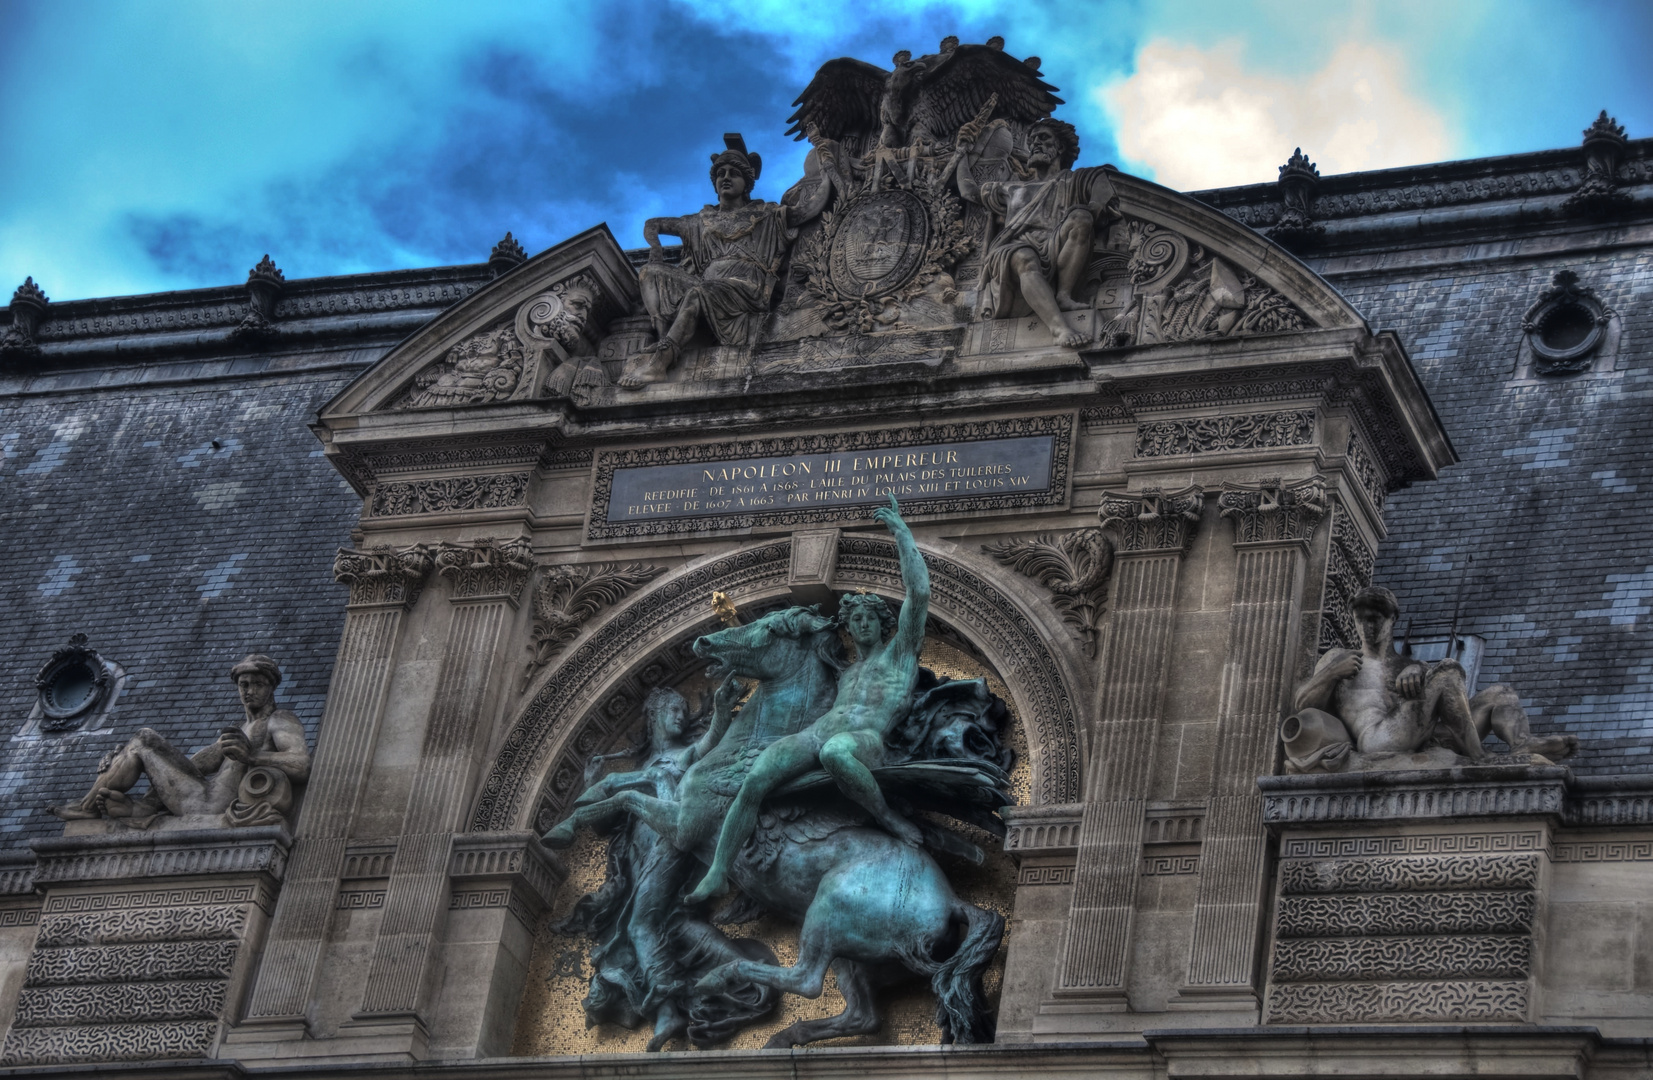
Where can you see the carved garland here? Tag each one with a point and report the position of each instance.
(960, 594)
(1208, 434)
(449, 495)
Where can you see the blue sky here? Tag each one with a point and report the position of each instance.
(153, 146)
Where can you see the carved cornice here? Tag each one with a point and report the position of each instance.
(1042, 830)
(1074, 567)
(449, 495)
(515, 859)
(1208, 434)
(1424, 795)
(1270, 512)
(1153, 520)
(383, 575)
(129, 857)
(486, 569)
(566, 597)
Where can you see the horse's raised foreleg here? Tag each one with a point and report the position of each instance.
(860, 1015)
(658, 814)
(803, 978)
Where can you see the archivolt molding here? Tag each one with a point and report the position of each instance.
(566, 712)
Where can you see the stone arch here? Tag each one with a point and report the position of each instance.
(536, 764)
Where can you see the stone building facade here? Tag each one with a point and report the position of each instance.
(473, 550)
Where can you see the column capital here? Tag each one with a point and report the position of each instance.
(1273, 511)
(383, 576)
(1153, 520)
(486, 569)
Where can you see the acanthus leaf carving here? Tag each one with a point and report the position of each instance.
(1210, 434)
(1153, 520)
(383, 575)
(567, 596)
(486, 569)
(1273, 511)
(1074, 567)
(449, 494)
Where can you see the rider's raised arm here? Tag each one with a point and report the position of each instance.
(915, 576)
(723, 711)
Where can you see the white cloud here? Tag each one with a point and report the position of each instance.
(1197, 118)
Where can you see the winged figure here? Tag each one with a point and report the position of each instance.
(871, 111)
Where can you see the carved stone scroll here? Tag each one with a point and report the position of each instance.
(383, 575)
(566, 597)
(1075, 567)
(486, 569)
(1272, 512)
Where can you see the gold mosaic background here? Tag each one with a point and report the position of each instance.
(551, 1021)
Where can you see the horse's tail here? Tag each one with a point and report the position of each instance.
(961, 1005)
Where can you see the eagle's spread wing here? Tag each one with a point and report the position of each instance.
(841, 100)
(957, 87)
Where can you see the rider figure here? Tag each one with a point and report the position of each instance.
(874, 695)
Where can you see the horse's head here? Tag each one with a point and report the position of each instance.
(772, 647)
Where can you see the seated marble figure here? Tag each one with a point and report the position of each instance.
(1373, 708)
(245, 775)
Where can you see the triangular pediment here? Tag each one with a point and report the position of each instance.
(501, 343)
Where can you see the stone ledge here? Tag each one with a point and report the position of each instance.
(1423, 795)
(1042, 830)
(507, 858)
(136, 855)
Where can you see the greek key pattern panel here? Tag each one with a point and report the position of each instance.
(1407, 913)
(1487, 956)
(360, 899)
(1045, 875)
(1170, 865)
(180, 897)
(109, 1042)
(1462, 1000)
(1346, 847)
(155, 924)
(184, 999)
(121, 963)
(1409, 873)
(10, 917)
(1604, 851)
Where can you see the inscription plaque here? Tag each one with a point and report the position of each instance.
(733, 485)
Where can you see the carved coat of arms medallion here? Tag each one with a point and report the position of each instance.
(880, 240)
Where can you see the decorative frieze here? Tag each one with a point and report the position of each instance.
(1459, 1000)
(383, 575)
(126, 858)
(1409, 873)
(1208, 434)
(566, 597)
(1271, 512)
(172, 999)
(1437, 794)
(109, 1042)
(1484, 956)
(1500, 911)
(1349, 565)
(448, 495)
(1074, 567)
(143, 924)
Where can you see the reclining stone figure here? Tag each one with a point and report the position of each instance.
(1376, 709)
(258, 761)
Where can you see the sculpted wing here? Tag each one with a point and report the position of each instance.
(955, 90)
(841, 100)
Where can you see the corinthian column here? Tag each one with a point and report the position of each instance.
(1154, 529)
(487, 582)
(384, 585)
(1272, 529)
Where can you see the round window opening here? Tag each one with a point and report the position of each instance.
(1565, 326)
(70, 685)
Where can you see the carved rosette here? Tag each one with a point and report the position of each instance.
(568, 596)
(486, 569)
(1274, 512)
(383, 575)
(1153, 520)
(1075, 568)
